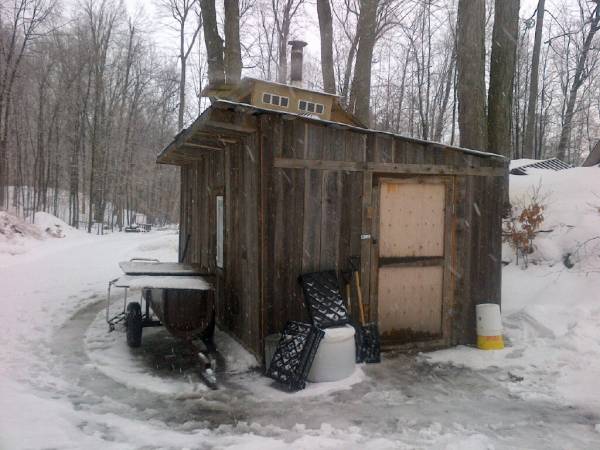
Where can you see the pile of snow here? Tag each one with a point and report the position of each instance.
(52, 225)
(15, 232)
(571, 227)
(551, 313)
(19, 236)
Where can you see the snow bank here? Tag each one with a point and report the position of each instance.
(15, 234)
(52, 225)
(551, 313)
(18, 236)
(571, 200)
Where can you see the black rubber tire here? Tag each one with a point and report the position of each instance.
(133, 324)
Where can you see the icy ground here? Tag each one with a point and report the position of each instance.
(65, 383)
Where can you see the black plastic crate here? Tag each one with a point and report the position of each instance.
(367, 344)
(295, 354)
(323, 299)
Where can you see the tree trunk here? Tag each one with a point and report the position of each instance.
(471, 72)
(233, 52)
(214, 44)
(502, 73)
(326, 31)
(348, 71)
(578, 80)
(439, 127)
(360, 93)
(528, 145)
(182, 77)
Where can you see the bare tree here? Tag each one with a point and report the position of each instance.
(528, 144)
(326, 29)
(233, 52)
(502, 72)
(471, 73)
(19, 26)
(360, 93)
(581, 74)
(214, 44)
(183, 12)
(283, 14)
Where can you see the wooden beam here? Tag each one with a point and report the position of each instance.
(204, 134)
(242, 129)
(418, 169)
(190, 145)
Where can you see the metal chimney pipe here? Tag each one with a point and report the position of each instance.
(296, 62)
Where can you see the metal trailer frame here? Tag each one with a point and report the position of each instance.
(207, 357)
(120, 316)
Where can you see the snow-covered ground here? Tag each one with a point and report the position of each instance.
(66, 383)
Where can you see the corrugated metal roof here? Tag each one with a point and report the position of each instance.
(554, 164)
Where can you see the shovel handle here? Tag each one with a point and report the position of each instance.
(360, 298)
(348, 298)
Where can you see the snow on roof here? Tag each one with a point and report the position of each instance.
(316, 91)
(347, 126)
(520, 166)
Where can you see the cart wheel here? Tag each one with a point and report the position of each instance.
(133, 323)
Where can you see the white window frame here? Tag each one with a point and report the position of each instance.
(312, 103)
(271, 95)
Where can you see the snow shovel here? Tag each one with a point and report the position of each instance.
(367, 334)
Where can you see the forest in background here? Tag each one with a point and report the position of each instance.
(90, 91)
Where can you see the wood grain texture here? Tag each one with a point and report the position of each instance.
(411, 219)
(298, 197)
(410, 301)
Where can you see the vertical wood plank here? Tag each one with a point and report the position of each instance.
(311, 251)
(296, 211)
(367, 246)
(315, 136)
(330, 220)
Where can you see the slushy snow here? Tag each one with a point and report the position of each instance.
(66, 383)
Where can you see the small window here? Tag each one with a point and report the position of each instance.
(311, 107)
(274, 99)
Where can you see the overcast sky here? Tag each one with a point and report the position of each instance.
(167, 41)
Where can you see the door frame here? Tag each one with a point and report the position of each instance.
(448, 282)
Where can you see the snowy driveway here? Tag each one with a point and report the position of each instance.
(66, 384)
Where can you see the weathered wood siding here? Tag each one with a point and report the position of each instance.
(319, 205)
(298, 196)
(312, 221)
(233, 173)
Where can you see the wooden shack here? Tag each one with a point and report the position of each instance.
(267, 195)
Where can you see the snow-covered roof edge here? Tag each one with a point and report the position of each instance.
(245, 107)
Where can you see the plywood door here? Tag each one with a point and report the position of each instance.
(411, 259)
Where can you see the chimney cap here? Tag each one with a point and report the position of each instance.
(297, 44)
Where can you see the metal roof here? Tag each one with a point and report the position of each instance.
(217, 131)
(554, 164)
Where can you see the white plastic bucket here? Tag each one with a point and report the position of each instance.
(489, 321)
(336, 356)
(489, 327)
(271, 342)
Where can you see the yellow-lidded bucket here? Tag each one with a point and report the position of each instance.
(489, 327)
(490, 342)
